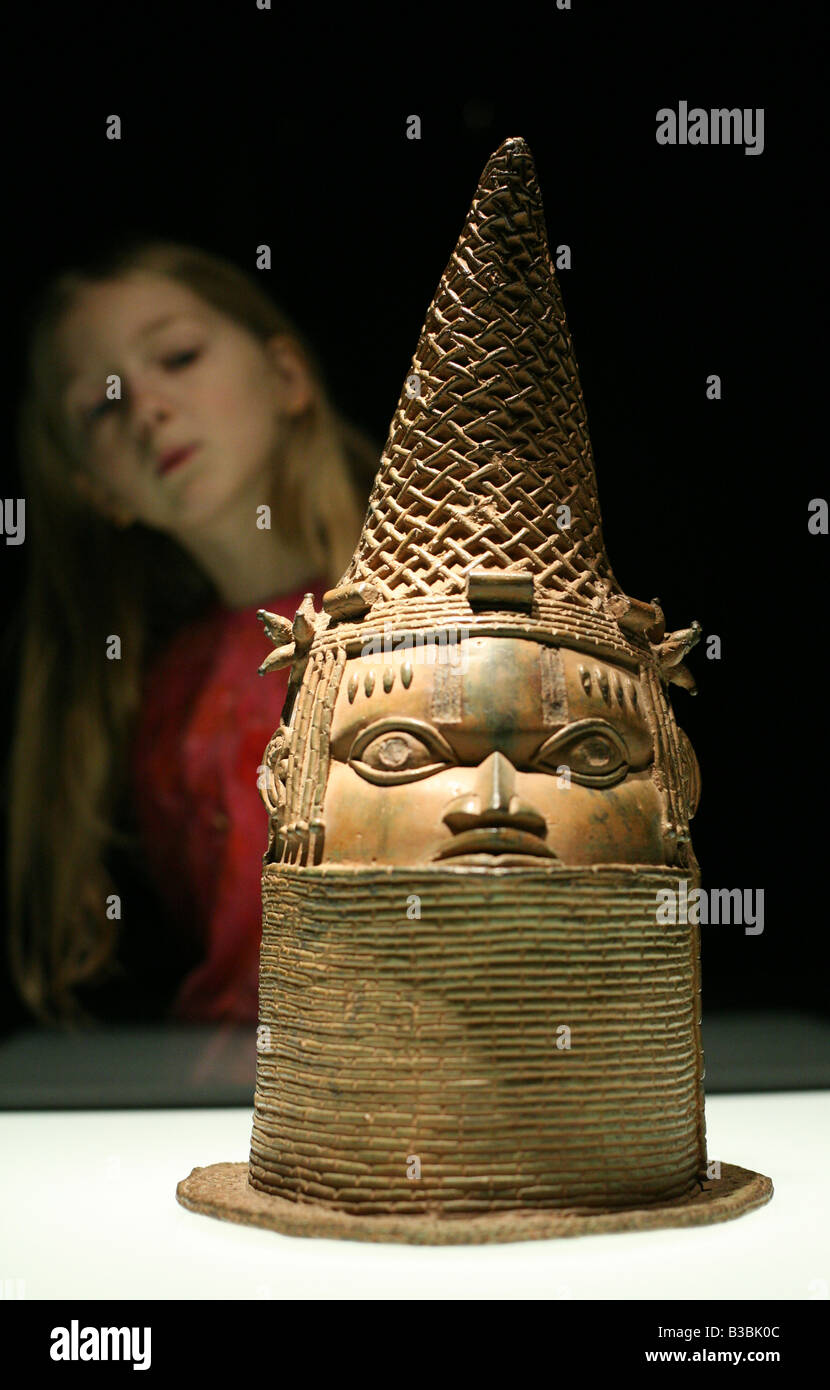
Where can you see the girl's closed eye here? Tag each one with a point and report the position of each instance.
(174, 362)
(182, 359)
(97, 411)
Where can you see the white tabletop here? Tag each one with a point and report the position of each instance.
(88, 1210)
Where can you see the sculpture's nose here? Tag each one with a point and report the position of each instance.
(493, 802)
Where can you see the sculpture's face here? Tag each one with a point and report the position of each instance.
(517, 753)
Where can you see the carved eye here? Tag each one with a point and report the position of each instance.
(593, 750)
(397, 750)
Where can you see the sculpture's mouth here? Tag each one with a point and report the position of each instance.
(496, 839)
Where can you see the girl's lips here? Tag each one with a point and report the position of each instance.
(174, 459)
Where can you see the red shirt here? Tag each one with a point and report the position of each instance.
(205, 721)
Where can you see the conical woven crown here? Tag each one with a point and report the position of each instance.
(490, 436)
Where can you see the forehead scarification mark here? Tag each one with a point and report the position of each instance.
(554, 691)
(601, 678)
(369, 682)
(352, 688)
(406, 674)
(618, 686)
(631, 692)
(388, 678)
(446, 694)
(585, 677)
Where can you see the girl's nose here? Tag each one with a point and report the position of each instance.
(151, 407)
(148, 403)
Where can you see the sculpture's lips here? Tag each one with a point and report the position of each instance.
(495, 839)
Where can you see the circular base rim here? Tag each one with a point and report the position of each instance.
(222, 1190)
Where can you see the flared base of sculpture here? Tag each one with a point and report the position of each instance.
(223, 1191)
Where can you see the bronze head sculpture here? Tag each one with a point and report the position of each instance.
(473, 1026)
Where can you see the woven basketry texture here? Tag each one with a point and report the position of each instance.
(554, 620)
(495, 438)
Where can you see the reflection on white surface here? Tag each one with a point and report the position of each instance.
(88, 1210)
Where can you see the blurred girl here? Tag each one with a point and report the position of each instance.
(219, 479)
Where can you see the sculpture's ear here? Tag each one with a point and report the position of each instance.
(689, 772)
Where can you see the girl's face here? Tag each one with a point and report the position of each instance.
(190, 379)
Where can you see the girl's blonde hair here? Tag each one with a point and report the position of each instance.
(88, 580)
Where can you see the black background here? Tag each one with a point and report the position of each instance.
(242, 126)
